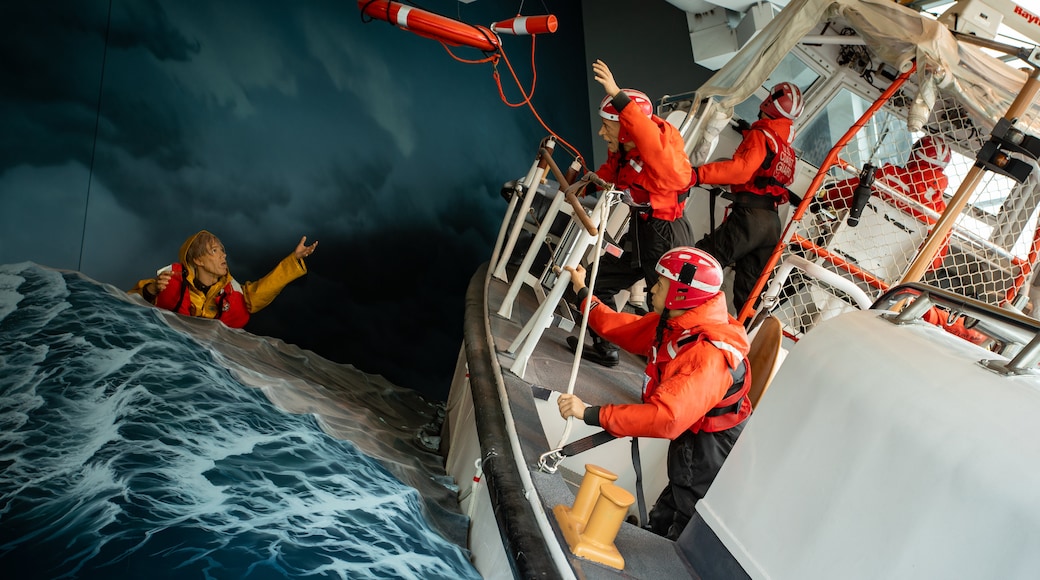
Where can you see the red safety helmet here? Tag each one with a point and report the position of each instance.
(639, 98)
(696, 277)
(784, 100)
(933, 150)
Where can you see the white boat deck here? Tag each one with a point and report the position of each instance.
(646, 554)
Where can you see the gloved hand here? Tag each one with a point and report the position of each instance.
(742, 126)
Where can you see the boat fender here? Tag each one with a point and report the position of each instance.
(524, 25)
(430, 25)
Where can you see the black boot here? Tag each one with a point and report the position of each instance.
(601, 351)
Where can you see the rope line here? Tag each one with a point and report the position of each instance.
(93, 149)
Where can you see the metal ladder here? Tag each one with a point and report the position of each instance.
(582, 233)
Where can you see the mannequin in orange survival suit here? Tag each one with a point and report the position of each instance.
(762, 168)
(696, 383)
(922, 179)
(200, 284)
(646, 158)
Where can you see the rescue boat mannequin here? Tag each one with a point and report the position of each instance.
(201, 285)
(646, 158)
(762, 168)
(696, 383)
(923, 179)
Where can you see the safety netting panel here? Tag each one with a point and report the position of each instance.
(849, 248)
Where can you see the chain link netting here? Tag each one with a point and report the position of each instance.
(987, 255)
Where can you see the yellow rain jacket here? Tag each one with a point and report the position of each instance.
(226, 300)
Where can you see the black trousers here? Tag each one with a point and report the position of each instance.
(694, 459)
(745, 240)
(645, 242)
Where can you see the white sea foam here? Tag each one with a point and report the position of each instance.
(136, 444)
(9, 295)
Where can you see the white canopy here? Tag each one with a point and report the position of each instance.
(897, 35)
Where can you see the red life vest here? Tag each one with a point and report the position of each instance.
(734, 406)
(777, 171)
(231, 303)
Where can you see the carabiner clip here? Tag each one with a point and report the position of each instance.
(555, 457)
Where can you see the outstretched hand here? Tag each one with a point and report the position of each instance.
(303, 250)
(604, 77)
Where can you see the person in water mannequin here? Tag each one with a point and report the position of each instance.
(201, 285)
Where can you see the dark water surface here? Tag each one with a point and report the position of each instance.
(139, 444)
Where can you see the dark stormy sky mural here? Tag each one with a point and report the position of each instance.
(131, 124)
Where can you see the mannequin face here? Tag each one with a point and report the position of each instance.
(658, 294)
(212, 264)
(609, 131)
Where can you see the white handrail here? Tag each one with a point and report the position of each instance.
(771, 296)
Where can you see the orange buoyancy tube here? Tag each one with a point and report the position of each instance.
(430, 25)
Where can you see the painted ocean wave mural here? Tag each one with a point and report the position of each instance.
(139, 444)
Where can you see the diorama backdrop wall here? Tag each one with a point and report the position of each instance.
(131, 124)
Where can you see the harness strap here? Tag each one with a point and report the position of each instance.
(753, 200)
(648, 210)
(763, 182)
(730, 402)
(714, 192)
(585, 443)
(738, 375)
(770, 151)
(640, 501)
(633, 235)
(770, 154)
(184, 289)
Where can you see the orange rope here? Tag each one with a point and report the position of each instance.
(509, 65)
(527, 100)
(494, 59)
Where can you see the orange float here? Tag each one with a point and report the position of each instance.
(431, 25)
(523, 25)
